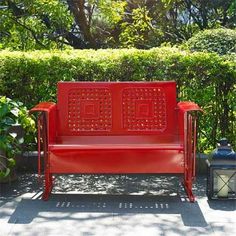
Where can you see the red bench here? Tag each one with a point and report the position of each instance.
(117, 128)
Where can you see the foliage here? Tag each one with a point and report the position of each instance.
(139, 31)
(221, 41)
(111, 10)
(42, 24)
(205, 78)
(12, 113)
(38, 25)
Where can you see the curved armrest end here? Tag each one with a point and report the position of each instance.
(188, 106)
(43, 107)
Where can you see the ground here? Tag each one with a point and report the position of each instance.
(112, 205)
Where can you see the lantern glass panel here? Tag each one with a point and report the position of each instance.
(224, 183)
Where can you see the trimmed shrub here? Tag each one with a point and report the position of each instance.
(221, 41)
(205, 78)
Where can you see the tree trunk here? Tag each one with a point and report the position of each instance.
(77, 9)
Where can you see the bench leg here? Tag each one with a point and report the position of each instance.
(47, 186)
(188, 189)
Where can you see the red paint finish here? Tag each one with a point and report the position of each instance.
(116, 160)
(124, 108)
(118, 128)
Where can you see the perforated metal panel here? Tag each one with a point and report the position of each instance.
(89, 109)
(144, 109)
(116, 108)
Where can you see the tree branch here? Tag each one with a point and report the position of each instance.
(30, 30)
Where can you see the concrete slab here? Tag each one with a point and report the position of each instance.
(112, 205)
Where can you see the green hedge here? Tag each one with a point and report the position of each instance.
(205, 78)
(221, 41)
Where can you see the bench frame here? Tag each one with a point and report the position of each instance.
(186, 121)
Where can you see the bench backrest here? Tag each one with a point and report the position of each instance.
(116, 108)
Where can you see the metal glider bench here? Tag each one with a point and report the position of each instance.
(117, 128)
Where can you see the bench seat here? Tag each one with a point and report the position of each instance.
(116, 154)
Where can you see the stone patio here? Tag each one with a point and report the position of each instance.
(112, 205)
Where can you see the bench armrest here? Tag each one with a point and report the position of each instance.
(183, 109)
(46, 129)
(187, 120)
(43, 107)
(49, 118)
(188, 106)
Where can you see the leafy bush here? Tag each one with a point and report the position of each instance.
(12, 114)
(205, 78)
(221, 41)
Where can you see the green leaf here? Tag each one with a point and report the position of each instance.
(8, 121)
(15, 111)
(3, 110)
(21, 140)
(11, 162)
(13, 135)
(4, 174)
(3, 140)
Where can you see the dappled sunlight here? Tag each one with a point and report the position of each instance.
(118, 184)
(110, 205)
(25, 183)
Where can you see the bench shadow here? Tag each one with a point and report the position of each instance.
(68, 204)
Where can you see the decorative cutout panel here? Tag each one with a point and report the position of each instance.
(89, 109)
(144, 109)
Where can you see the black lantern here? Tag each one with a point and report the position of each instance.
(221, 176)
